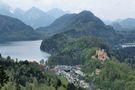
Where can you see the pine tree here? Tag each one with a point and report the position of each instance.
(0, 56)
(3, 77)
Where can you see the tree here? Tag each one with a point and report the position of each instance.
(0, 56)
(42, 61)
(59, 82)
(71, 86)
(3, 77)
(8, 57)
(115, 76)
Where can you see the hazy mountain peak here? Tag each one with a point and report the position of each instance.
(124, 25)
(85, 12)
(35, 10)
(5, 9)
(56, 12)
(18, 11)
(129, 20)
(34, 13)
(34, 7)
(34, 17)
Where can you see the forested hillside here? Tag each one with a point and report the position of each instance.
(24, 75)
(79, 32)
(124, 25)
(12, 29)
(109, 75)
(82, 24)
(83, 39)
(70, 51)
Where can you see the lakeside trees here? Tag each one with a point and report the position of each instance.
(71, 51)
(25, 75)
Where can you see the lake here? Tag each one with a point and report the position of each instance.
(23, 50)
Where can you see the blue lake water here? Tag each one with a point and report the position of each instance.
(23, 50)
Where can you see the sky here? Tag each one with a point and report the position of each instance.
(105, 9)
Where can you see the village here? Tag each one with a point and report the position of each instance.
(72, 73)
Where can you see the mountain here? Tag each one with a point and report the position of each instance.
(34, 16)
(5, 9)
(12, 29)
(107, 22)
(72, 34)
(82, 24)
(116, 26)
(128, 23)
(126, 28)
(19, 13)
(37, 18)
(56, 13)
(124, 25)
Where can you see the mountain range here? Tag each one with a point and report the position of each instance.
(124, 24)
(34, 16)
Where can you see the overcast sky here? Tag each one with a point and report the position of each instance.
(105, 9)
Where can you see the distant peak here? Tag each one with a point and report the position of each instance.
(86, 13)
(34, 8)
(130, 19)
(18, 9)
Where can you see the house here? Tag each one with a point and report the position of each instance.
(101, 54)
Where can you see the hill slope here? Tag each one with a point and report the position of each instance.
(12, 29)
(82, 24)
(80, 21)
(124, 25)
(72, 34)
